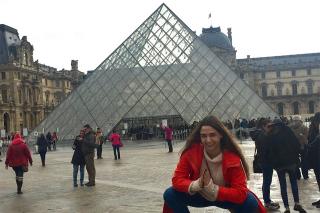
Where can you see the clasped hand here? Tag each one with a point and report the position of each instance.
(202, 181)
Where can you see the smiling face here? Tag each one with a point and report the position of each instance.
(210, 138)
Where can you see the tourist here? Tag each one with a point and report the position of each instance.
(301, 132)
(212, 171)
(259, 137)
(43, 145)
(116, 144)
(168, 136)
(282, 154)
(99, 142)
(49, 139)
(87, 148)
(18, 156)
(78, 159)
(54, 141)
(314, 149)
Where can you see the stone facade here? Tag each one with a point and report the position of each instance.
(290, 84)
(29, 90)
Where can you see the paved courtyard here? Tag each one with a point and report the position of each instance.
(133, 184)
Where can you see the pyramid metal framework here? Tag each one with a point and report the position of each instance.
(162, 68)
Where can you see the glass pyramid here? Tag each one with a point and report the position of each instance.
(162, 68)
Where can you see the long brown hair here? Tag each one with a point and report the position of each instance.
(228, 141)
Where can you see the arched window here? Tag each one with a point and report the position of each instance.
(4, 93)
(20, 95)
(310, 86)
(279, 86)
(30, 96)
(6, 122)
(280, 107)
(264, 90)
(25, 58)
(294, 88)
(311, 107)
(295, 106)
(47, 93)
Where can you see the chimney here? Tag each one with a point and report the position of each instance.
(74, 65)
(248, 56)
(230, 35)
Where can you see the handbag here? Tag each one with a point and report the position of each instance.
(25, 168)
(256, 165)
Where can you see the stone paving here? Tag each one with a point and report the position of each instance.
(133, 184)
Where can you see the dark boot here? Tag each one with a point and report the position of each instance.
(316, 203)
(19, 186)
(43, 162)
(17, 182)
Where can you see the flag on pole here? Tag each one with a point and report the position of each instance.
(209, 15)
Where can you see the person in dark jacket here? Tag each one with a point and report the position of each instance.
(314, 149)
(259, 137)
(49, 139)
(78, 160)
(301, 132)
(18, 156)
(42, 148)
(87, 148)
(283, 154)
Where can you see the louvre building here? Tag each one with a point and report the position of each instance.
(163, 70)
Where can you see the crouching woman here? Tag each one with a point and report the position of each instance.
(212, 171)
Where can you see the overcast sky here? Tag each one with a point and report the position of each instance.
(89, 30)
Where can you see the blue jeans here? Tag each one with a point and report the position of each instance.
(283, 185)
(116, 150)
(179, 202)
(18, 170)
(75, 173)
(267, 171)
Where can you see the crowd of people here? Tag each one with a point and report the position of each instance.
(212, 170)
(18, 155)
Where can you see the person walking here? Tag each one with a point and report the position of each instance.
(99, 142)
(259, 137)
(1, 148)
(18, 156)
(78, 159)
(116, 144)
(49, 139)
(42, 148)
(54, 141)
(283, 154)
(212, 171)
(314, 150)
(168, 136)
(87, 148)
(301, 132)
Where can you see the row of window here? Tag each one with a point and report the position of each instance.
(5, 98)
(57, 82)
(294, 87)
(278, 73)
(296, 108)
